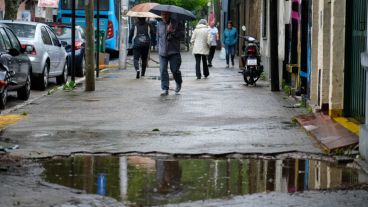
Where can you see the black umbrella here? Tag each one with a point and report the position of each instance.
(176, 11)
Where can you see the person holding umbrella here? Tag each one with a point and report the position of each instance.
(169, 32)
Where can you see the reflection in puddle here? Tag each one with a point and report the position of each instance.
(155, 181)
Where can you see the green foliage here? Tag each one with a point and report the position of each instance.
(286, 88)
(70, 85)
(263, 76)
(310, 109)
(24, 113)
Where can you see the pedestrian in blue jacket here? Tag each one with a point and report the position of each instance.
(229, 41)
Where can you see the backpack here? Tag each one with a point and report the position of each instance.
(143, 38)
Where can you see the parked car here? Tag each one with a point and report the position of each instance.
(48, 57)
(64, 33)
(15, 67)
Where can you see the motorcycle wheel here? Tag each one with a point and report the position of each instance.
(248, 77)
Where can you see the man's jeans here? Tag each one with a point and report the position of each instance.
(175, 62)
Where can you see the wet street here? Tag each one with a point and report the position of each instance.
(217, 143)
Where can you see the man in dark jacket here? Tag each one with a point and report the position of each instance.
(140, 35)
(169, 32)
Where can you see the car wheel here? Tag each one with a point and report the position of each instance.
(63, 78)
(44, 82)
(82, 68)
(25, 91)
(3, 98)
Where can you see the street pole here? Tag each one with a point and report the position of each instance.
(90, 48)
(72, 69)
(98, 40)
(123, 34)
(275, 83)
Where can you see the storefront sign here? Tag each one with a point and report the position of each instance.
(48, 3)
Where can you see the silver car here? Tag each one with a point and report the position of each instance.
(47, 55)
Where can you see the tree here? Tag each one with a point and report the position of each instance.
(11, 9)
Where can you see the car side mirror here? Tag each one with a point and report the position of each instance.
(23, 49)
(64, 44)
(13, 52)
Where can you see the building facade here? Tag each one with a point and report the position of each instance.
(319, 49)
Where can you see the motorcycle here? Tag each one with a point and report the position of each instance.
(251, 60)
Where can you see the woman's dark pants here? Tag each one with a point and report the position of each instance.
(198, 65)
(211, 55)
(140, 52)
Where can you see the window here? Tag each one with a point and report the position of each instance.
(13, 39)
(23, 30)
(55, 40)
(6, 39)
(264, 19)
(45, 36)
(79, 4)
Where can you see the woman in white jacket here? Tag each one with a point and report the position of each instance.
(201, 40)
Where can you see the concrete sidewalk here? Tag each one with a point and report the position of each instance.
(218, 115)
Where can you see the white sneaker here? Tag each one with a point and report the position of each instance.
(164, 93)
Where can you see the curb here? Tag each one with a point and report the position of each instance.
(46, 93)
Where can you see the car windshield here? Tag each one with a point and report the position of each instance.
(64, 32)
(23, 30)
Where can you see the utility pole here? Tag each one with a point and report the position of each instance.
(123, 33)
(72, 69)
(98, 40)
(275, 83)
(90, 48)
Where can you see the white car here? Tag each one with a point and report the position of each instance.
(47, 55)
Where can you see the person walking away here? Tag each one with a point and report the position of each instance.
(169, 32)
(140, 35)
(153, 24)
(229, 40)
(201, 40)
(214, 38)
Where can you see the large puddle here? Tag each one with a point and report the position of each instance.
(143, 180)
